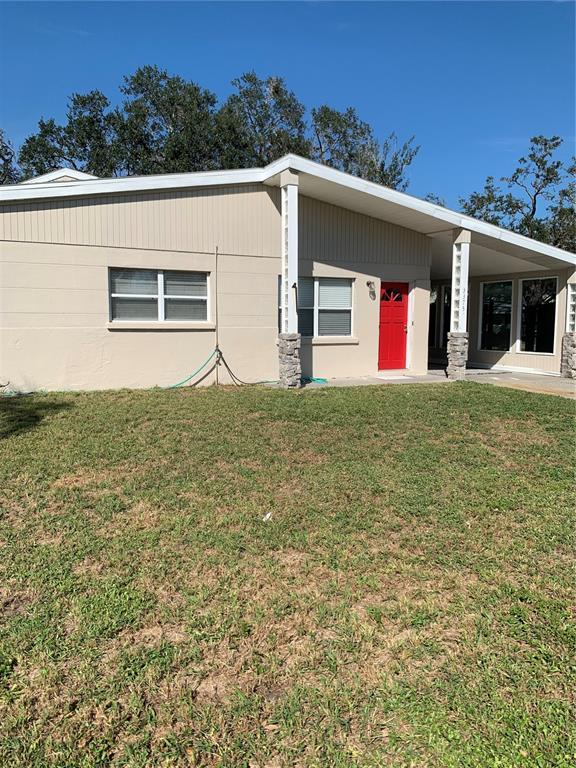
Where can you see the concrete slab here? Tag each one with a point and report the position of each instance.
(432, 377)
(529, 382)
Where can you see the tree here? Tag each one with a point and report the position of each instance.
(9, 172)
(261, 122)
(390, 162)
(166, 124)
(86, 142)
(432, 197)
(541, 197)
(343, 141)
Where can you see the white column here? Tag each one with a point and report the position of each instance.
(289, 282)
(571, 307)
(460, 272)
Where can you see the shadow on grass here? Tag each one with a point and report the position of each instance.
(21, 413)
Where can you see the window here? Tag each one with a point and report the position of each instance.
(571, 313)
(537, 314)
(446, 305)
(165, 295)
(306, 306)
(496, 315)
(433, 314)
(334, 314)
(324, 306)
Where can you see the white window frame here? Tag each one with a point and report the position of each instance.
(481, 312)
(160, 296)
(519, 316)
(317, 308)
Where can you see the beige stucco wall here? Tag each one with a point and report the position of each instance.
(54, 261)
(55, 334)
(547, 363)
(335, 242)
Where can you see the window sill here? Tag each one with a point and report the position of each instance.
(166, 325)
(527, 352)
(323, 341)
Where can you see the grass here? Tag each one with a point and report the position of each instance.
(406, 604)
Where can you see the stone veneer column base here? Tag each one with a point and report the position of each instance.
(568, 359)
(289, 360)
(457, 349)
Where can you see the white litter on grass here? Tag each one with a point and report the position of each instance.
(267, 517)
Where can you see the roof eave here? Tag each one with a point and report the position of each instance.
(445, 217)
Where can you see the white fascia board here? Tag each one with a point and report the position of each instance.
(445, 215)
(17, 192)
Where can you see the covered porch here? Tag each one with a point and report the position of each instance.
(496, 306)
(497, 300)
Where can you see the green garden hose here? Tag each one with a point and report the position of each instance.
(196, 372)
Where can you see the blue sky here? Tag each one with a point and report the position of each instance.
(472, 80)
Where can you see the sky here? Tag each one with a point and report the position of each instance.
(472, 81)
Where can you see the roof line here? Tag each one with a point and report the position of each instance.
(17, 192)
(58, 174)
(456, 219)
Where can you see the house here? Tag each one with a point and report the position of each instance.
(293, 269)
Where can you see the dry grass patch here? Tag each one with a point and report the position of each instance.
(407, 603)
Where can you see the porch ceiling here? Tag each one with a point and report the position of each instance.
(494, 251)
(485, 260)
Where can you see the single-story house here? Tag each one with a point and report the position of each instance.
(295, 269)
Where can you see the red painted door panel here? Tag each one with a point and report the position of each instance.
(393, 325)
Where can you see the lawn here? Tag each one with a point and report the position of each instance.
(405, 603)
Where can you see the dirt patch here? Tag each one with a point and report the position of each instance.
(15, 513)
(149, 636)
(14, 602)
(49, 539)
(105, 478)
(88, 567)
(291, 559)
(71, 625)
(82, 478)
(167, 594)
(157, 633)
(215, 688)
(141, 516)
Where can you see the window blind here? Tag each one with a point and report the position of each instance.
(144, 294)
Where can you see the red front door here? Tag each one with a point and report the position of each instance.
(393, 325)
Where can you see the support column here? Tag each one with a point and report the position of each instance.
(568, 356)
(457, 345)
(289, 338)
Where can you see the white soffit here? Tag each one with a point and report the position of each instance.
(320, 182)
(483, 261)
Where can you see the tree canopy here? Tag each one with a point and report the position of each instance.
(166, 124)
(9, 172)
(538, 199)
